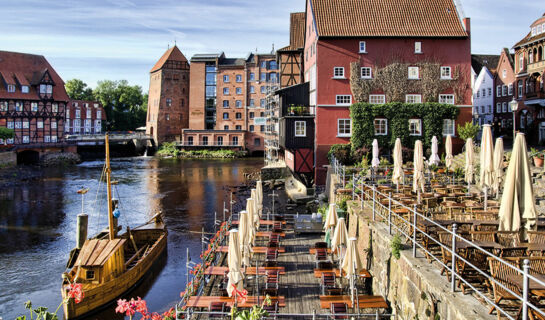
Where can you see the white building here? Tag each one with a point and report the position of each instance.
(483, 97)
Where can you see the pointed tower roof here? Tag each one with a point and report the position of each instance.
(172, 54)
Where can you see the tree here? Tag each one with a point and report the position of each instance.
(78, 90)
(6, 133)
(469, 130)
(123, 103)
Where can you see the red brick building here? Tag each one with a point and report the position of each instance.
(32, 101)
(84, 117)
(530, 94)
(504, 89)
(168, 100)
(365, 37)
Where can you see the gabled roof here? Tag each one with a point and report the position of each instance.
(28, 69)
(490, 61)
(387, 18)
(297, 32)
(510, 57)
(172, 54)
(529, 38)
(95, 252)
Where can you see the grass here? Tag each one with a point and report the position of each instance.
(168, 149)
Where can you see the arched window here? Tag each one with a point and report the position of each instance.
(530, 57)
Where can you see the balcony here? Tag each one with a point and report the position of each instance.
(536, 67)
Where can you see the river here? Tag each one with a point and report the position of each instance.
(38, 222)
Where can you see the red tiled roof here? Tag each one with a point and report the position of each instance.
(297, 32)
(529, 39)
(173, 54)
(29, 69)
(387, 18)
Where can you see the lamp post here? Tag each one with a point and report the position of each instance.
(514, 106)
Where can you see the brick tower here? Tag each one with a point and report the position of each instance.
(168, 111)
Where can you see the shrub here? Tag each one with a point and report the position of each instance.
(6, 133)
(168, 149)
(468, 130)
(395, 245)
(342, 152)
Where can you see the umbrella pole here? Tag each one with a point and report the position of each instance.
(485, 198)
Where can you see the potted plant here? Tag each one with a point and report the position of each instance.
(538, 157)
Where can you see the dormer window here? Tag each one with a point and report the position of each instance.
(533, 31)
(11, 88)
(24, 89)
(43, 88)
(49, 89)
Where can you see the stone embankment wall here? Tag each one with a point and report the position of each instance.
(414, 287)
(8, 159)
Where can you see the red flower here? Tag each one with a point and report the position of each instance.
(240, 295)
(124, 307)
(76, 292)
(141, 306)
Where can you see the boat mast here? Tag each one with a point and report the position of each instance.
(111, 228)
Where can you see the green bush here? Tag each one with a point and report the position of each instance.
(468, 130)
(342, 152)
(168, 149)
(6, 133)
(395, 245)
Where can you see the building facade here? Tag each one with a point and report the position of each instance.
(530, 94)
(348, 55)
(32, 101)
(84, 117)
(504, 84)
(484, 70)
(168, 100)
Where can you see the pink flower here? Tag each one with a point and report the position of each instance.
(76, 292)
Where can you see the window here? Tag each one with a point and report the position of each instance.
(78, 113)
(344, 127)
(67, 113)
(98, 126)
(490, 91)
(381, 127)
(54, 139)
(366, 73)
(26, 139)
(24, 89)
(226, 127)
(262, 103)
(251, 115)
(220, 141)
(377, 99)
(226, 78)
(76, 125)
(10, 141)
(504, 107)
(25, 124)
(251, 128)
(238, 78)
(413, 98)
(239, 90)
(489, 109)
(252, 89)
(3, 106)
(205, 141)
(167, 117)
(484, 93)
(18, 106)
(235, 141)
(504, 73)
(510, 89)
(520, 88)
(88, 113)
(363, 47)
(47, 138)
(261, 128)
(225, 116)
(257, 142)
(262, 114)
(509, 107)
(226, 103)
(273, 65)
(273, 77)
(264, 64)
(238, 103)
(498, 107)
(49, 89)
(417, 47)
(413, 72)
(521, 61)
(10, 125)
(43, 88)
(95, 105)
(252, 102)
(446, 98)
(252, 76)
(238, 127)
(18, 124)
(99, 114)
(415, 127)
(225, 90)
(504, 90)
(67, 127)
(498, 91)
(189, 141)
(238, 115)
(11, 88)
(34, 106)
(54, 124)
(482, 109)
(478, 94)
(169, 102)
(55, 107)
(338, 72)
(263, 77)
(300, 129)
(448, 127)
(40, 124)
(263, 89)
(343, 100)
(446, 73)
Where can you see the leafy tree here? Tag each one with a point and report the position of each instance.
(469, 130)
(123, 103)
(78, 90)
(6, 133)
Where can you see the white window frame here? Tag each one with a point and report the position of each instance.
(383, 126)
(238, 78)
(343, 96)
(18, 124)
(344, 134)
(417, 47)
(510, 89)
(498, 91)
(26, 139)
(446, 73)
(378, 98)
(419, 123)
(43, 88)
(498, 107)
(338, 73)
(11, 88)
(34, 106)
(47, 139)
(413, 96)
(11, 125)
(411, 73)
(40, 124)
(54, 139)
(363, 47)
(446, 98)
(504, 90)
(449, 127)
(368, 72)
(225, 78)
(49, 89)
(504, 107)
(26, 124)
(300, 129)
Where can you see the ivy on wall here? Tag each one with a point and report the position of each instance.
(432, 115)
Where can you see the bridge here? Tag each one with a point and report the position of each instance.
(122, 143)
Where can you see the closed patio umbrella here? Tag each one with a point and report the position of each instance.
(498, 165)
(487, 162)
(469, 168)
(434, 158)
(235, 275)
(352, 264)
(397, 174)
(517, 201)
(259, 193)
(448, 152)
(331, 218)
(252, 217)
(340, 237)
(418, 170)
(244, 238)
(253, 195)
(375, 162)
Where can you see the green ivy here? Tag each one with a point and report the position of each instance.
(397, 113)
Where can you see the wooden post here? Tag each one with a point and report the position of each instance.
(111, 228)
(81, 236)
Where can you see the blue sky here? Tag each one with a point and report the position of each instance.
(105, 39)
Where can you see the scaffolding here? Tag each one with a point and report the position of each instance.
(272, 114)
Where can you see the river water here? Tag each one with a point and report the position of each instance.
(38, 222)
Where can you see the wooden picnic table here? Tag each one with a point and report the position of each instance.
(534, 287)
(204, 301)
(364, 301)
(265, 222)
(221, 271)
(255, 249)
(534, 247)
(318, 273)
(313, 250)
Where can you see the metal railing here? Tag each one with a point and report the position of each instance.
(188, 314)
(209, 144)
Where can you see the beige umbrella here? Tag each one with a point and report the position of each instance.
(469, 162)
(448, 152)
(517, 201)
(375, 162)
(397, 174)
(487, 162)
(340, 237)
(252, 217)
(235, 275)
(331, 218)
(352, 264)
(244, 238)
(254, 196)
(498, 165)
(259, 201)
(434, 158)
(418, 171)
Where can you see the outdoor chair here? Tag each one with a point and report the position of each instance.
(272, 310)
(536, 237)
(471, 274)
(338, 308)
(485, 216)
(487, 236)
(272, 280)
(321, 255)
(270, 263)
(445, 238)
(328, 281)
(537, 264)
(217, 307)
(500, 272)
(324, 265)
(513, 252)
(508, 238)
(320, 245)
(272, 254)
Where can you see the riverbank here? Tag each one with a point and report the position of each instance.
(169, 150)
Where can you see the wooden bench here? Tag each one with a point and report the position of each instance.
(204, 301)
(267, 234)
(263, 222)
(364, 301)
(313, 250)
(256, 249)
(318, 273)
(220, 271)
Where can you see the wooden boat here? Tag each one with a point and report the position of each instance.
(109, 265)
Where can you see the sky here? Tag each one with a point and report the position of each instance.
(95, 40)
